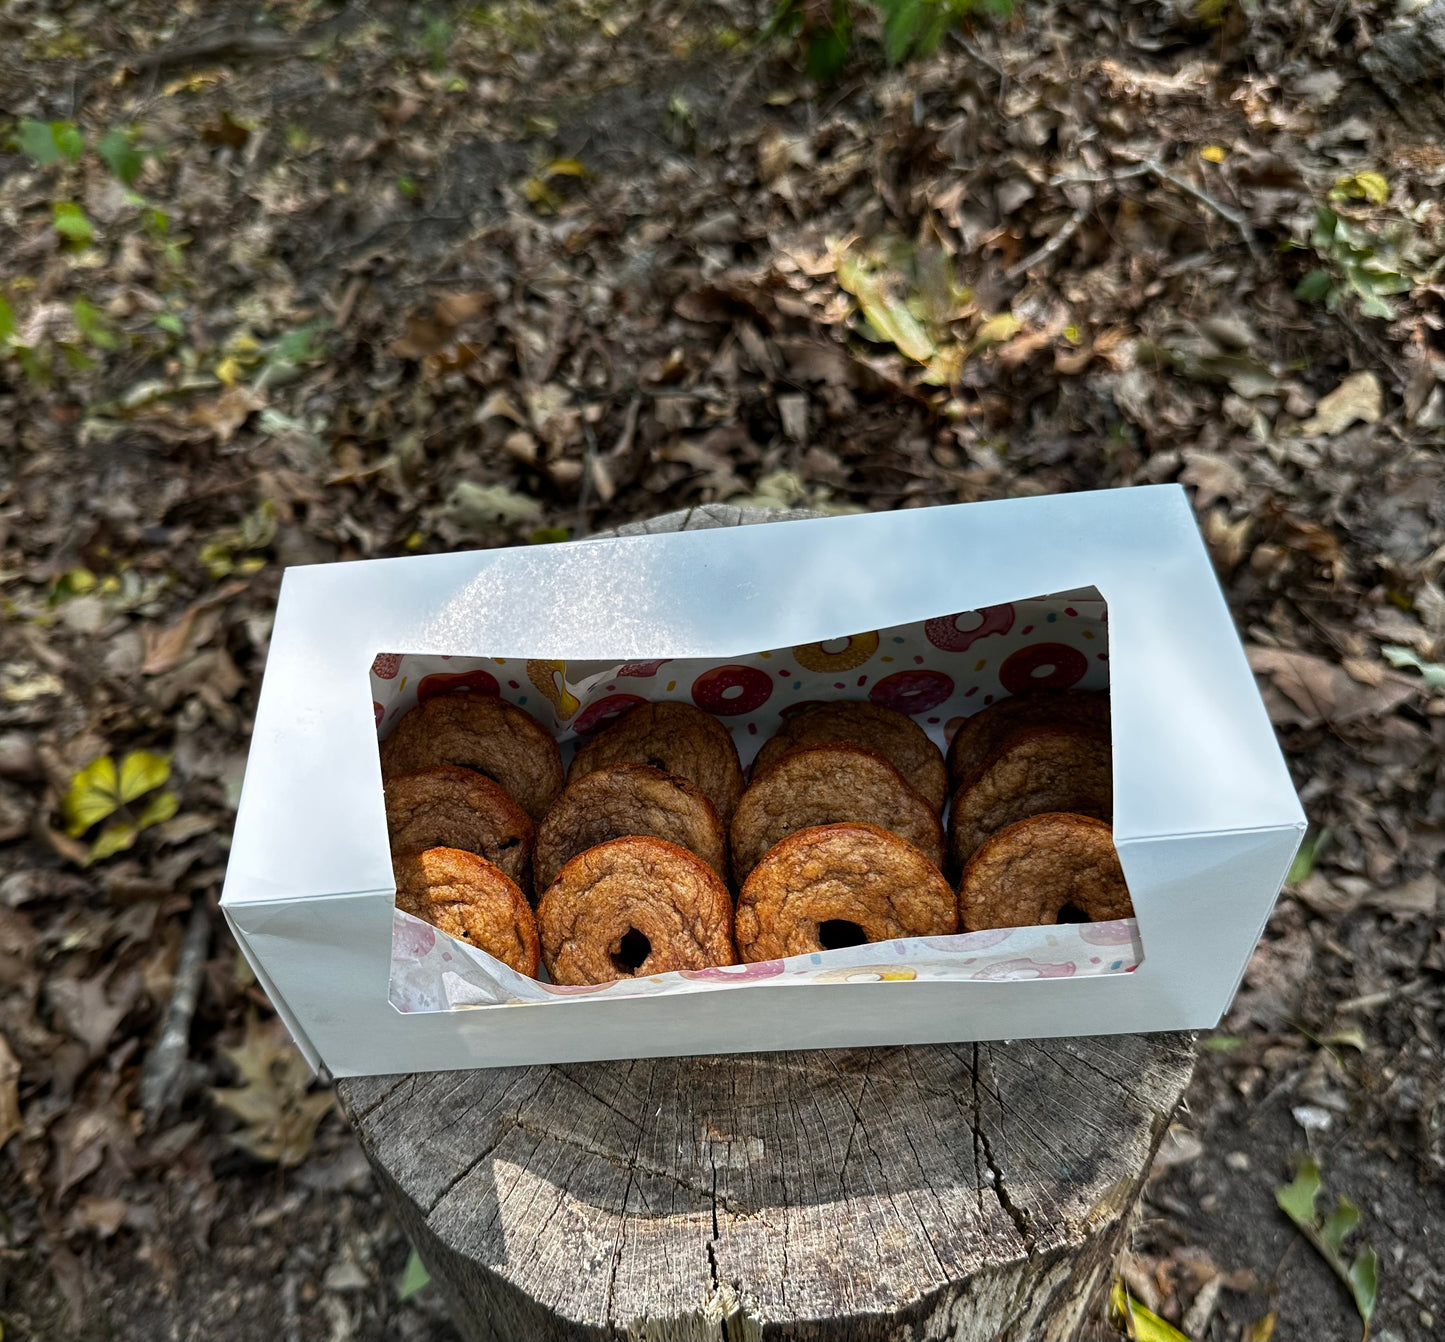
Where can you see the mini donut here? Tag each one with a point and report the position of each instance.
(447, 807)
(550, 679)
(895, 736)
(828, 785)
(1063, 666)
(714, 690)
(678, 739)
(912, 691)
(468, 898)
(944, 632)
(621, 799)
(481, 732)
(857, 650)
(849, 874)
(1037, 769)
(1030, 872)
(632, 908)
(980, 735)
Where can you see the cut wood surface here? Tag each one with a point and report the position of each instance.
(969, 1191)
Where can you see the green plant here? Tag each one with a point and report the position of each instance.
(1368, 260)
(1299, 1201)
(824, 28)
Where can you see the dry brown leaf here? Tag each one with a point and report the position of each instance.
(1358, 399)
(1213, 477)
(170, 646)
(9, 1093)
(1324, 692)
(227, 412)
(276, 1104)
(1415, 899)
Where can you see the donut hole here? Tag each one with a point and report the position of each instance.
(835, 933)
(632, 952)
(657, 763)
(1072, 913)
(1042, 672)
(508, 843)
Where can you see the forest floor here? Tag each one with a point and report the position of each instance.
(303, 282)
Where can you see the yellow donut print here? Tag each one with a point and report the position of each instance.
(549, 678)
(857, 650)
(867, 974)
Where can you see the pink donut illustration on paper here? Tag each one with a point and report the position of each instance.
(551, 679)
(912, 691)
(972, 941)
(855, 651)
(1026, 969)
(410, 936)
(730, 690)
(763, 969)
(1119, 932)
(946, 632)
(866, 974)
(379, 711)
(1044, 666)
(386, 665)
(604, 712)
(574, 989)
(641, 669)
(456, 682)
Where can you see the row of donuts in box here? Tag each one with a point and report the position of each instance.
(836, 840)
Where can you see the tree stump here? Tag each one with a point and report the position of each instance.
(970, 1191)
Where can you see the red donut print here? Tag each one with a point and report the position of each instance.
(379, 711)
(946, 633)
(640, 668)
(729, 690)
(456, 682)
(386, 665)
(605, 711)
(762, 969)
(912, 691)
(1045, 666)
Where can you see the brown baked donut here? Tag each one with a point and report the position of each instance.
(840, 885)
(622, 799)
(982, 734)
(894, 735)
(828, 785)
(468, 898)
(678, 739)
(1030, 872)
(448, 807)
(481, 732)
(1036, 769)
(631, 908)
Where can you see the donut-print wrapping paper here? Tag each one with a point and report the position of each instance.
(939, 671)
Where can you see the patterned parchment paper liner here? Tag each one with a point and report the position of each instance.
(939, 671)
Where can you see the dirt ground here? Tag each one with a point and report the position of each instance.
(305, 282)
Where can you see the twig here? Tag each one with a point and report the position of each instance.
(1121, 175)
(163, 1063)
(1041, 254)
(262, 42)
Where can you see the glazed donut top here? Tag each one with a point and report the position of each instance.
(1030, 871)
(678, 739)
(853, 873)
(481, 732)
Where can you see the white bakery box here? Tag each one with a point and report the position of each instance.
(936, 611)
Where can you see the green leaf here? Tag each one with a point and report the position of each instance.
(47, 142)
(1433, 672)
(549, 535)
(1297, 1200)
(1308, 855)
(117, 148)
(140, 772)
(1364, 1283)
(1339, 1223)
(93, 324)
(94, 794)
(413, 1278)
(1315, 287)
(168, 321)
(1221, 1043)
(71, 222)
(889, 318)
(827, 53)
(7, 320)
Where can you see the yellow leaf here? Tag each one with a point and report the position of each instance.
(94, 793)
(192, 83)
(1139, 1323)
(116, 837)
(998, 329)
(1214, 153)
(160, 808)
(1367, 186)
(1261, 1330)
(141, 771)
(889, 318)
(229, 370)
(564, 167)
